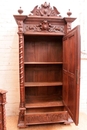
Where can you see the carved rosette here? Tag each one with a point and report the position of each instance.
(44, 26)
(45, 10)
(21, 61)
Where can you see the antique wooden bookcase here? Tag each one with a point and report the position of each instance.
(49, 67)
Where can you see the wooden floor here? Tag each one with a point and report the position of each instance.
(12, 124)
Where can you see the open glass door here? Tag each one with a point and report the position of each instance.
(71, 72)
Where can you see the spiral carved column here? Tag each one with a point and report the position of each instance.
(21, 69)
(21, 61)
(21, 73)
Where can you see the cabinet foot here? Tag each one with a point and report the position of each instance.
(21, 121)
(68, 122)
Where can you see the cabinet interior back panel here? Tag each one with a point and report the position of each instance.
(43, 73)
(43, 49)
(40, 94)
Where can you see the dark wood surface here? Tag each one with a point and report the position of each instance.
(2, 109)
(43, 73)
(43, 47)
(46, 117)
(45, 104)
(41, 84)
(71, 72)
(49, 60)
(31, 63)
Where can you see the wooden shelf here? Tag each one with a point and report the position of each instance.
(43, 63)
(41, 84)
(44, 104)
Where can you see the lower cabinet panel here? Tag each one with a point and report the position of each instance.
(44, 118)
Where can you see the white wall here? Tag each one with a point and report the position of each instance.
(83, 23)
(9, 62)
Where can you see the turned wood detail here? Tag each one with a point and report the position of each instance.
(20, 11)
(52, 117)
(21, 58)
(45, 10)
(21, 61)
(69, 13)
(44, 26)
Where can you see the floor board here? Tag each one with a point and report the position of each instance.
(12, 124)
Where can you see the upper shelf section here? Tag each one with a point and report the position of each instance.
(43, 20)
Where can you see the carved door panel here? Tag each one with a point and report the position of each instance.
(71, 72)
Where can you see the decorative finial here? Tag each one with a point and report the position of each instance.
(69, 13)
(20, 11)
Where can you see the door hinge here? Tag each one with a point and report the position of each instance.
(77, 76)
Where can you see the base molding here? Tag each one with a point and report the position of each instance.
(26, 119)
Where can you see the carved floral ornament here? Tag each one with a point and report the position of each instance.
(46, 117)
(45, 10)
(44, 26)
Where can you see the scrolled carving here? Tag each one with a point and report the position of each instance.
(56, 28)
(45, 10)
(20, 26)
(68, 27)
(52, 117)
(44, 26)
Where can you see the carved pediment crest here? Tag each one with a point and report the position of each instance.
(45, 10)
